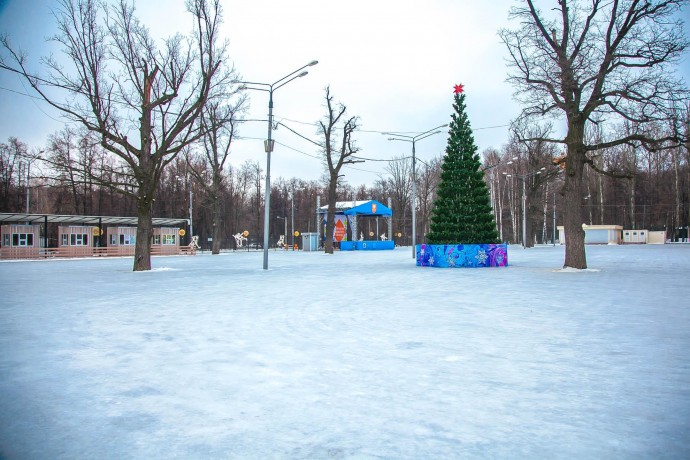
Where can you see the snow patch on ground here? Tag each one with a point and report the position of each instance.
(353, 355)
(576, 270)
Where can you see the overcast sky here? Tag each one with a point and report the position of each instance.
(393, 63)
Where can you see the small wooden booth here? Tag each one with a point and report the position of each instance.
(20, 241)
(77, 240)
(165, 241)
(597, 234)
(22, 236)
(121, 240)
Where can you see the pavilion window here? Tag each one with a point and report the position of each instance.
(22, 239)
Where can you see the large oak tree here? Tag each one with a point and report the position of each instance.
(600, 62)
(140, 97)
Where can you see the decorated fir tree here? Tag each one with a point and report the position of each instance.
(462, 211)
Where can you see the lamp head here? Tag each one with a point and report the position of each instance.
(302, 74)
(314, 62)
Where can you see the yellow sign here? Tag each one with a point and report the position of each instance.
(97, 231)
(182, 232)
(296, 233)
(245, 233)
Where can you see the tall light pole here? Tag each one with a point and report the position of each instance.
(191, 203)
(292, 225)
(554, 219)
(523, 178)
(29, 160)
(268, 145)
(188, 184)
(413, 140)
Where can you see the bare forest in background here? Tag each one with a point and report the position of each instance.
(59, 179)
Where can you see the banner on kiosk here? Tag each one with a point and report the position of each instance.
(340, 229)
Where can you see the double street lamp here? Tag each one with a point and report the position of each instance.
(413, 140)
(268, 144)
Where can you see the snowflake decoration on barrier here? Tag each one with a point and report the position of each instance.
(481, 256)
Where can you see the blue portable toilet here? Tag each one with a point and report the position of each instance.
(310, 241)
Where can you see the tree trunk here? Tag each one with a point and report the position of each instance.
(499, 210)
(530, 217)
(330, 219)
(513, 214)
(676, 192)
(633, 226)
(147, 185)
(544, 236)
(601, 197)
(528, 221)
(575, 256)
(142, 248)
(217, 215)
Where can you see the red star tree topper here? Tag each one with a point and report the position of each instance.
(458, 89)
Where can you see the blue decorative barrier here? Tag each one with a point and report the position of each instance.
(462, 255)
(372, 245)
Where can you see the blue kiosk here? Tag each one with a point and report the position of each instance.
(346, 215)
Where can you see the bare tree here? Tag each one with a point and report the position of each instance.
(76, 157)
(338, 150)
(397, 184)
(219, 122)
(11, 157)
(596, 60)
(123, 86)
(534, 166)
(428, 178)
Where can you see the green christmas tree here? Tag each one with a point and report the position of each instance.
(462, 211)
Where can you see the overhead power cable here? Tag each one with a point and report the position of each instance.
(390, 131)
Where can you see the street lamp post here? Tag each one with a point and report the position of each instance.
(29, 160)
(292, 215)
(188, 184)
(553, 240)
(523, 178)
(191, 204)
(413, 140)
(28, 188)
(271, 87)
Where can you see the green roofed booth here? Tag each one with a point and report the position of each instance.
(350, 220)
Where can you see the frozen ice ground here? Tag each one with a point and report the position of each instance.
(357, 355)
